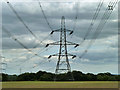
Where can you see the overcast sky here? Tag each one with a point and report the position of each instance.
(101, 57)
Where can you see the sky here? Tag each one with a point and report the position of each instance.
(102, 56)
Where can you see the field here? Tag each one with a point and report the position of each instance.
(43, 84)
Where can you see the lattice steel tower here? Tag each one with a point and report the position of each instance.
(63, 64)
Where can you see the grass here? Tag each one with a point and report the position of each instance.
(45, 84)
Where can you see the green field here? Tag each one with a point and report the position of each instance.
(42, 84)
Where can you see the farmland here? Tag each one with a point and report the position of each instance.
(47, 84)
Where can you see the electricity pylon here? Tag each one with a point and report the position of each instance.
(3, 65)
(63, 64)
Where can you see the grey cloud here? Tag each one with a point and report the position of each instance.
(33, 17)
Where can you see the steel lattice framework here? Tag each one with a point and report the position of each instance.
(63, 64)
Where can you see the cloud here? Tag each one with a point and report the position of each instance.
(102, 52)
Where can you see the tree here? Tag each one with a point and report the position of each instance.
(46, 77)
(12, 77)
(39, 74)
(27, 77)
(4, 77)
(78, 76)
(90, 77)
(62, 77)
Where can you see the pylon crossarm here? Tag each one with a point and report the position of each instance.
(3, 63)
(71, 43)
(76, 45)
(67, 30)
(71, 31)
(73, 56)
(2, 69)
(55, 54)
(58, 43)
(1, 56)
(55, 43)
(58, 30)
(62, 69)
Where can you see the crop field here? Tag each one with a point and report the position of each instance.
(45, 84)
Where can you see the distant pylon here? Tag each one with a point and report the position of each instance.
(3, 65)
(63, 65)
(110, 7)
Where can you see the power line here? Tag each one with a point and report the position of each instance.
(75, 19)
(46, 21)
(44, 15)
(40, 52)
(17, 15)
(43, 50)
(26, 28)
(93, 20)
(76, 16)
(10, 35)
(22, 46)
(42, 41)
(10, 5)
(15, 39)
(40, 63)
(102, 23)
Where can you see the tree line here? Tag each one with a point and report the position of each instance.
(47, 76)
